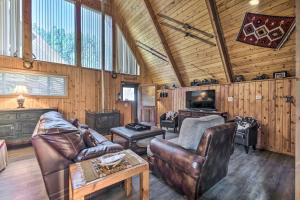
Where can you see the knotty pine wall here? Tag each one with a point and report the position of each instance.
(84, 89)
(276, 116)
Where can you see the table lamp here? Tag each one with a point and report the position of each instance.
(21, 90)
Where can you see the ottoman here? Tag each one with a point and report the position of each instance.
(3, 155)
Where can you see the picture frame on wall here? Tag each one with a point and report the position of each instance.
(282, 74)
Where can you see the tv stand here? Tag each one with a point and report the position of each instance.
(195, 113)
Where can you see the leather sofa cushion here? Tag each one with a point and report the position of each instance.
(67, 144)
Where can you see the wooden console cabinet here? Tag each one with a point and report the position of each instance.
(17, 125)
(182, 114)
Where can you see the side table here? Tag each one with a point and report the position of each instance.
(3, 155)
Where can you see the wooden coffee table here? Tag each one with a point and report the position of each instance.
(78, 188)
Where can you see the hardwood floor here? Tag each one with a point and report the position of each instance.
(259, 175)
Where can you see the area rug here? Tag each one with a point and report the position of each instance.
(265, 30)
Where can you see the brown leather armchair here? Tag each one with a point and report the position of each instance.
(57, 144)
(194, 172)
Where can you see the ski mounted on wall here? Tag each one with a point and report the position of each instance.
(186, 26)
(151, 50)
(188, 34)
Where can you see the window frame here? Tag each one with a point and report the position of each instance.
(83, 6)
(21, 35)
(75, 36)
(130, 85)
(22, 72)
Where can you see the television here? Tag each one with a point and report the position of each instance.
(202, 99)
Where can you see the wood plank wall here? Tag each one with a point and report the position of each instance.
(84, 91)
(276, 116)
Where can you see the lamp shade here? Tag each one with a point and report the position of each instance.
(21, 89)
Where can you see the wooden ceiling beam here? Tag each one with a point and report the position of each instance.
(164, 41)
(216, 24)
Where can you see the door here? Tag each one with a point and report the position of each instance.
(147, 104)
(130, 94)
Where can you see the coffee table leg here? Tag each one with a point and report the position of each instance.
(144, 185)
(129, 144)
(128, 186)
(70, 189)
(112, 137)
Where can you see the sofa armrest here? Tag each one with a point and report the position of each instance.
(189, 162)
(163, 116)
(97, 151)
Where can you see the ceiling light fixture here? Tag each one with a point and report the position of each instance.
(254, 2)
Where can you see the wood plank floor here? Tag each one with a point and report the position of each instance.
(259, 175)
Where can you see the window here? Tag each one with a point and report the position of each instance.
(127, 62)
(11, 27)
(128, 93)
(108, 43)
(37, 84)
(91, 38)
(53, 31)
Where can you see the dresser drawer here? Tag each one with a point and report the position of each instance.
(7, 117)
(29, 115)
(7, 131)
(27, 128)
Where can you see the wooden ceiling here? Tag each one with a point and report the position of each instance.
(193, 58)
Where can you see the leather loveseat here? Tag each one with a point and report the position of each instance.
(194, 171)
(57, 144)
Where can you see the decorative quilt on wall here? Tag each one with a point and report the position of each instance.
(265, 30)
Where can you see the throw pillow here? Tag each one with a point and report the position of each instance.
(192, 130)
(170, 115)
(88, 138)
(75, 122)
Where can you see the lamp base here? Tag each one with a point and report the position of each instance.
(20, 101)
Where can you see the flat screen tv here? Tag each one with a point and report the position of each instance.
(202, 99)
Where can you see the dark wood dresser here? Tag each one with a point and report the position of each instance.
(17, 125)
(187, 113)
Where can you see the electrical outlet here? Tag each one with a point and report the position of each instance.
(258, 97)
(230, 99)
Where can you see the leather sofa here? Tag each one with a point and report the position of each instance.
(57, 144)
(192, 172)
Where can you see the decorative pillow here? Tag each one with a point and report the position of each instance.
(192, 130)
(171, 115)
(75, 122)
(88, 138)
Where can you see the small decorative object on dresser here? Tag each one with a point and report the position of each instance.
(3, 155)
(282, 74)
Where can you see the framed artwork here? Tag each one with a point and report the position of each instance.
(282, 74)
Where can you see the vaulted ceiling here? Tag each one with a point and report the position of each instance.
(196, 59)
